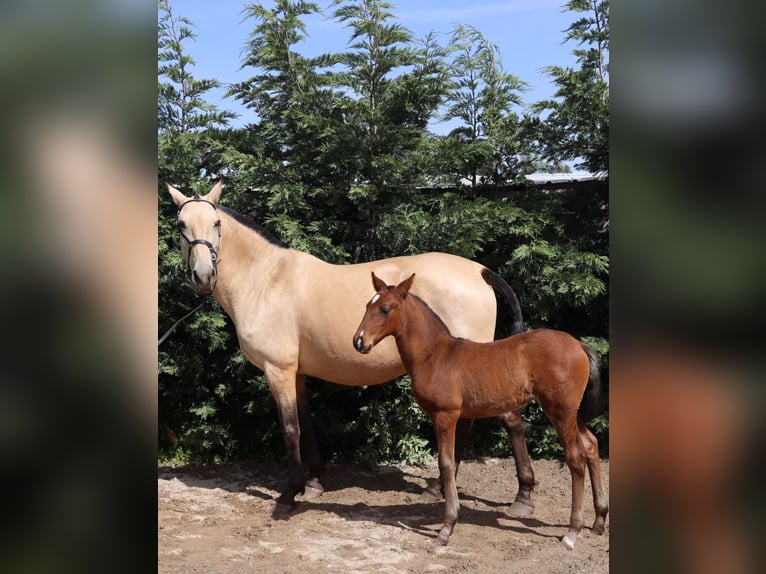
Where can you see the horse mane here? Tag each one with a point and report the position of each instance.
(432, 312)
(250, 224)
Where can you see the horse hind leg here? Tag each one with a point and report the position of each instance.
(522, 505)
(600, 501)
(313, 487)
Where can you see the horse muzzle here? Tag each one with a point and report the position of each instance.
(204, 283)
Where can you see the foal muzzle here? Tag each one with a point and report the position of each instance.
(359, 345)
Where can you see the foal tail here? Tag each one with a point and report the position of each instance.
(590, 406)
(500, 286)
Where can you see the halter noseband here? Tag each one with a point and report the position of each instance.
(205, 242)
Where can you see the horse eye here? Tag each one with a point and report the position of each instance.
(217, 224)
(180, 224)
(384, 310)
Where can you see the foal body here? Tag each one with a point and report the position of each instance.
(455, 379)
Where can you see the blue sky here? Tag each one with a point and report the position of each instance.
(529, 34)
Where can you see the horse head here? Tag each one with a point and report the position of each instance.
(200, 226)
(383, 314)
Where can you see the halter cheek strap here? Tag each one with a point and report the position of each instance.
(205, 242)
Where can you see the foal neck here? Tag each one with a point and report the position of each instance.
(422, 331)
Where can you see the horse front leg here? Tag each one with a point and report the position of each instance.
(444, 425)
(313, 487)
(522, 505)
(283, 384)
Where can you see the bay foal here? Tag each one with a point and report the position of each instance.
(455, 379)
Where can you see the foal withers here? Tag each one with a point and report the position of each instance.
(455, 379)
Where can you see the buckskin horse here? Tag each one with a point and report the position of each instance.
(293, 315)
(454, 379)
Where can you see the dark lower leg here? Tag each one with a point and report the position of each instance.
(295, 480)
(522, 505)
(308, 441)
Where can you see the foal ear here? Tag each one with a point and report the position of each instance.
(377, 283)
(404, 286)
(215, 193)
(178, 198)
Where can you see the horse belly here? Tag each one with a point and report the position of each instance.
(351, 368)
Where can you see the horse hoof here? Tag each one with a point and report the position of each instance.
(520, 509)
(283, 510)
(443, 536)
(311, 493)
(441, 540)
(598, 529)
(568, 541)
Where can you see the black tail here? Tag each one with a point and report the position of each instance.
(590, 406)
(499, 285)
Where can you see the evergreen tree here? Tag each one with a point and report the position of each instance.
(577, 126)
(486, 145)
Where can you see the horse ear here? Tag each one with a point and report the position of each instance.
(404, 286)
(178, 198)
(377, 283)
(215, 193)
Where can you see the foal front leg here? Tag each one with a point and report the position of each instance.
(444, 426)
(435, 489)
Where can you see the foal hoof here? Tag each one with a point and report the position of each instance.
(442, 539)
(520, 509)
(283, 510)
(432, 492)
(311, 493)
(568, 540)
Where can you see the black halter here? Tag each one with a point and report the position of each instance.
(205, 242)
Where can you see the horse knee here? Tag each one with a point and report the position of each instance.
(292, 434)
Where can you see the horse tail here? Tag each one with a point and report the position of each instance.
(500, 286)
(590, 406)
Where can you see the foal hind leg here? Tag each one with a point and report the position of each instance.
(444, 425)
(313, 488)
(600, 501)
(564, 420)
(522, 505)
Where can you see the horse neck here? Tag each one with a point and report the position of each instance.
(246, 260)
(420, 333)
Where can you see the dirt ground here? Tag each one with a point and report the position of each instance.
(217, 520)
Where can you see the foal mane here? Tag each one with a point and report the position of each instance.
(250, 224)
(431, 312)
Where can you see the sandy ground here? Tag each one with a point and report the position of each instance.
(218, 520)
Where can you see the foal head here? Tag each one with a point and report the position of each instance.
(383, 314)
(200, 227)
